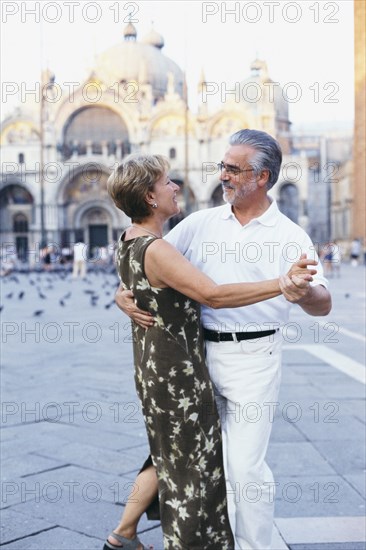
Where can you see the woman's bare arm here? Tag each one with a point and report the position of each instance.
(166, 267)
(125, 298)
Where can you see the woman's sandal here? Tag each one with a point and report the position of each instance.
(127, 544)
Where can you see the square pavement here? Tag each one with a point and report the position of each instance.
(73, 437)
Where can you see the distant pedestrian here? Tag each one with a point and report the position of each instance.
(8, 262)
(327, 257)
(103, 256)
(65, 255)
(79, 266)
(46, 256)
(355, 252)
(336, 259)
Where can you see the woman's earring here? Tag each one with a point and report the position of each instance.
(154, 205)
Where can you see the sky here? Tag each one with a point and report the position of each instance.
(308, 46)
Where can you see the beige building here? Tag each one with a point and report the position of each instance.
(359, 180)
(132, 101)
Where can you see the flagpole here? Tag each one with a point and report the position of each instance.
(42, 205)
(186, 150)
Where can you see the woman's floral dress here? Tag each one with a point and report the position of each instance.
(178, 405)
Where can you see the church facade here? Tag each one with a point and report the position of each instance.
(134, 100)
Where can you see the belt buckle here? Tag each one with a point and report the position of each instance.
(235, 338)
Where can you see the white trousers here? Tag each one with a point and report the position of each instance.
(246, 377)
(79, 267)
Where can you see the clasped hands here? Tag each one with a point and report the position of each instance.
(295, 285)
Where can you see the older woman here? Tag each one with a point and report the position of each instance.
(170, 372)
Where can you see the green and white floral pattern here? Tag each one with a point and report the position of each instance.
(179, 409)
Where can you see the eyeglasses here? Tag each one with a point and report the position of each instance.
(234, 170)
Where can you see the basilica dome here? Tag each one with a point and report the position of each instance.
(154, 39)
(266, 90)
(142, 62)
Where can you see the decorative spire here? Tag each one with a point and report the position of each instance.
(259, 68)
(202, 81)
(130, 32)
(154, 38)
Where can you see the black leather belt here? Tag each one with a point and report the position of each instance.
(214, 336)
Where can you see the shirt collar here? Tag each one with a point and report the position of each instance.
(268, 218)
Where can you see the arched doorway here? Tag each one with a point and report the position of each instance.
(16, 213)
(96, 225)
(20, 230)
(186, 201)
(217, 196)
(289, 201)
(84, 192)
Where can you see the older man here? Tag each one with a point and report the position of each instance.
(247, 239)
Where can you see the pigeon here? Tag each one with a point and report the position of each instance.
(93, 300)
(62, 303)
(107, 306)
(21, 294)
(38, 312)
(31, 282)
(1, 308)
(42, 296)
(89, 291)
(10, 295)
(67, 296)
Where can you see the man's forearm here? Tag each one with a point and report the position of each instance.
(317, 301)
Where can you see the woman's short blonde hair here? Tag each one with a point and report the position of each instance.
(131, 181)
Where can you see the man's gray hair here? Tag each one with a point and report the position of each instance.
(268, 152)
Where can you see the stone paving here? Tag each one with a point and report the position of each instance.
(73, 436)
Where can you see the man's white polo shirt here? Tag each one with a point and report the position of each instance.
(217, 244)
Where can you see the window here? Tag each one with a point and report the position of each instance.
(172, 153)
(20, 223)
(21, 158)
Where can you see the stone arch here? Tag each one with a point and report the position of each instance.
(289, 202)
(14, 199)
(216, 198)
(98, 224)
(84, 191)
(186, 200)
(226, 123)
(19, 132)
(86, 181)
(95, 124)
(16, 213)
(170, 124)
(14, 193)
(89, 208)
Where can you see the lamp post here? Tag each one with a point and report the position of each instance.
(43, 229)
(187, 200)
(47, 81)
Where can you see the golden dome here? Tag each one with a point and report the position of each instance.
(130, 32)
(128, 60)
(154, 39)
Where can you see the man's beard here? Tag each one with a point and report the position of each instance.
(236, 194)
